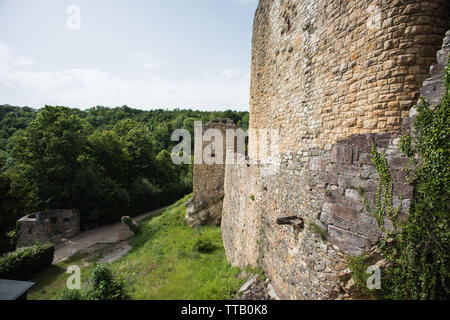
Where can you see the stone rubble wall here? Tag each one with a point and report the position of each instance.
(332, 87)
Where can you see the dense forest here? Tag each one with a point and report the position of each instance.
(105, 162)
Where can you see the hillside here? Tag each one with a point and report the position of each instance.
(165, 262)
(51, 156)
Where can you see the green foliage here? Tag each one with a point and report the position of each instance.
(106, 285)
(25, 262)
(384, 201)
(104, 162)
(12, 120)
(204, 245)
(321, 232)
(71, 295)
(13, 198)
(165, 264)
(103, 285)
(358, 265)
(418, 249)
(162, 265)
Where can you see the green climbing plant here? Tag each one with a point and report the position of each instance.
(384, 200)
(418, 249)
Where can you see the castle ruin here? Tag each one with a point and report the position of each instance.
(205, 208)
(333, 77)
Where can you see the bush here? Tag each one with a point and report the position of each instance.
(359, 265)
(204, 245)
(71, 295)
(23, 263)
(106, 285)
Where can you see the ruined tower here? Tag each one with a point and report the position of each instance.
(205, 208)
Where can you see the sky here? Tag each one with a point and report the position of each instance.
(146, 54)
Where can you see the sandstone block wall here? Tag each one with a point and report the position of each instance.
(332, 86)
(324, 70)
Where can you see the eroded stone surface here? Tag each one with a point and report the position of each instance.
(257, 288)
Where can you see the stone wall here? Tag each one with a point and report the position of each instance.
(332, 84)
(324, 70)
(48, 227)
(205, 208)
(433, 86)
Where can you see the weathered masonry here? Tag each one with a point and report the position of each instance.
(205, 208)
(333, 77)
(48, 227)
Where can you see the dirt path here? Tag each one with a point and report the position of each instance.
(105, 234)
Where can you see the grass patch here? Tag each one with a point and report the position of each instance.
(321, 232)
(169, 261)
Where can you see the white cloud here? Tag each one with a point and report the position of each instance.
(23, 61)
(83, 88)
(17, 60)
(221, 75)
(148, 61)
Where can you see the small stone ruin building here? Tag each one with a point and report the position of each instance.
(48, 227)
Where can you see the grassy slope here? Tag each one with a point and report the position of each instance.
(163, 263)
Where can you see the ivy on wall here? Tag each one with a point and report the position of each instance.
(418, 248)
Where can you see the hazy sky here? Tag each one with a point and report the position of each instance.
(142, 53)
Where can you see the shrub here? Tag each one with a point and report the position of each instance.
(106, 285)
(71, 295)
(204, 245)
(23, 263)
(359, 265)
